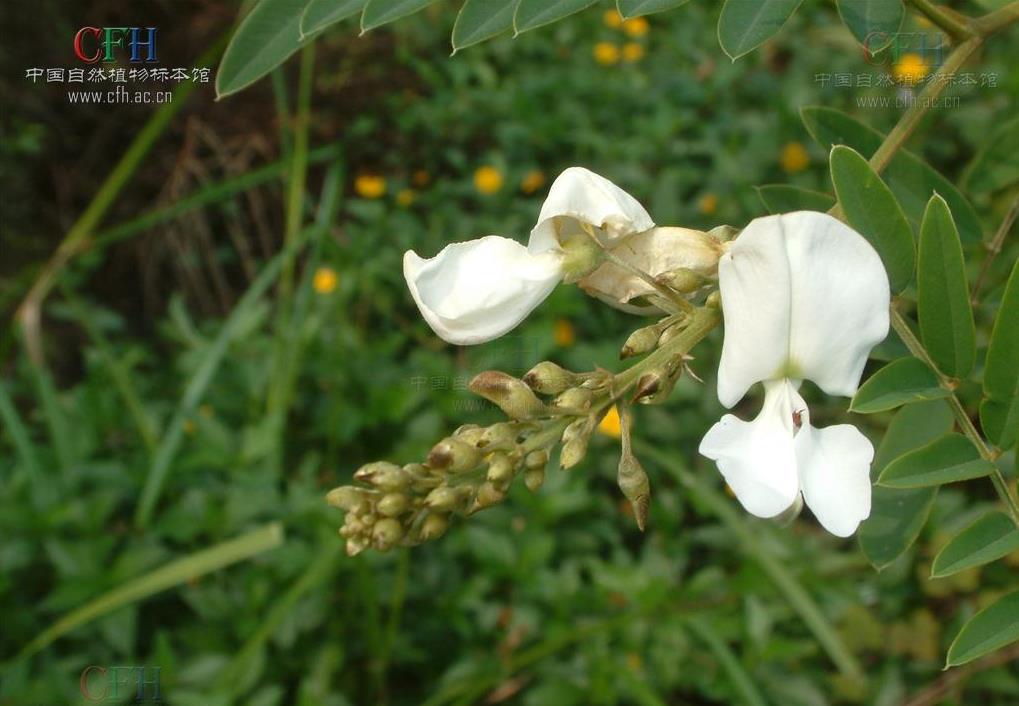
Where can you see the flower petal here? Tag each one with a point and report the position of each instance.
(804, 296)
(834, 465)
(757, 459)
(652, 251)
(840, 299)
(755, 282)
(579, 196)
(475, 291)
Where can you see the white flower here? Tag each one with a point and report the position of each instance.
(804, 297)
(475, 291)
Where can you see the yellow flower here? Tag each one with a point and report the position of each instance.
(325, 280)
(633, 52)
(708, 204)
(563, 333)
(406, 197)
(487, 179)
(370, 186)
(532, 181)
(420, 177)
(636, 26)
(606, 53)
(610, 425)
(910, 69)
(612, 19)
(189, 427)
(205, 410)
(794, 158)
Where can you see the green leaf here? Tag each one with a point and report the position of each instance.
(989, 538)
(482, 19)
(911, 179)
(996, 165)
(535, 13)
(635, 8)
(874, 23)
(264, 39)
(999, 411)
(744, 25)
(948, 459)
(897, 516)
(871, 208)
(379, 12)
(319, 14)
(176, 572)
(942, 296)
(900, 382)
(783, 198)
(990, 629)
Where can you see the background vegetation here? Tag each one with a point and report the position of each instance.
(169, 432)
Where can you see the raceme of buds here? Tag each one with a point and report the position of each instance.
(511, 395)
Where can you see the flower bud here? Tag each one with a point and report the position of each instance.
(682, 279)
(670, 333)
(445, 498)
(714, 300)
(346, 497)
(633, 482)
(582, 256)
(384, 476)
(434, 526)
(392, 504)
(534, 477)
(578, 428)
(356, 545)
(513, 396)
(536, 459)
(502, 435)
(639, 342)
(470, 434)
(500, 469)
(488, 495)
(454, 456)
(547, 378)
(386, 533)
(576, 400)
(573, 452)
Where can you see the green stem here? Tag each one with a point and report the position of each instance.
(915, 347)
(999, 19)
(699, 325)
(994, 247)
(911, 118)
(396, 602)
(955, 26)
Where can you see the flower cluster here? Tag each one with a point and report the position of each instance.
(802, 295)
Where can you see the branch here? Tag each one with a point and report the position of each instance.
(994, 247)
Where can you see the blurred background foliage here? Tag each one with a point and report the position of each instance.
(550, 598)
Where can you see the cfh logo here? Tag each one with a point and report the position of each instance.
(117, 683)
(95, 44)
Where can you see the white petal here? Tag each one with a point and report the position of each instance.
(652, 251)
(754, 281)
(834, 465)
(840, 298)
(475, 291)
(757, 459)
(804, 296)
(579, 196)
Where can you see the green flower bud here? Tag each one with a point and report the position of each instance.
(470, 434)
(346, 497)
(578, 428)
(534, 477)
(537, 459)
(356, 545)
(682, 279)
(369, 471)
(573, 452)
(488, 495)
(386, 533)
(639, 342)
(576, 400)
(445, 498)
(633, 481)
(714, 300)
(384, 476)
(500, 469)
(547, 378)
(392, 504)
(671, 332)
(454, 456)
(434, 526)
(582, 256)
(513, 396)
(502, 435)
